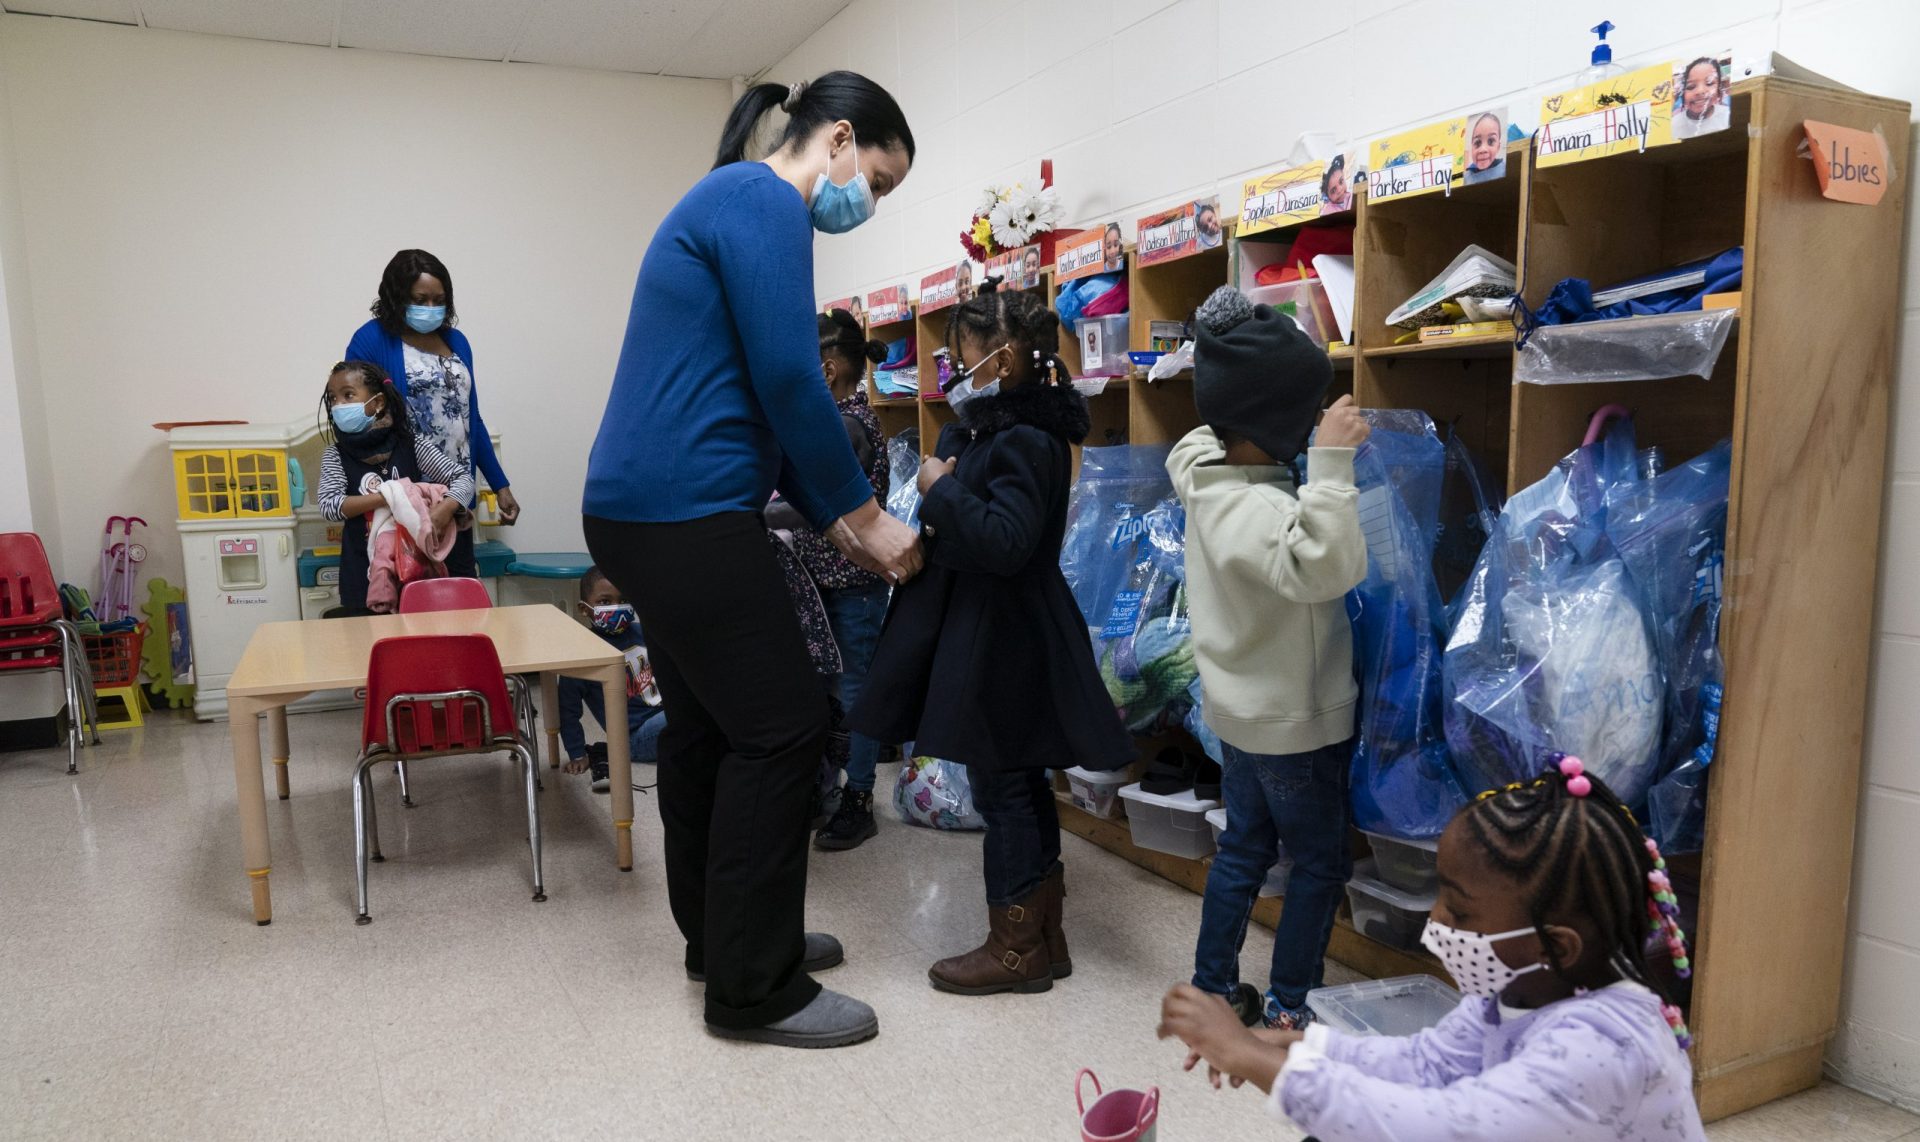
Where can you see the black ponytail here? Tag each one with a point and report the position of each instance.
(841, 336)
(877, 119)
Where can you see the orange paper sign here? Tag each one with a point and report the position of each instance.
(1851, 164)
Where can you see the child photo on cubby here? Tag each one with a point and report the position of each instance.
(1486, 147)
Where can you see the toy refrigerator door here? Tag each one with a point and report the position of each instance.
(239, 574)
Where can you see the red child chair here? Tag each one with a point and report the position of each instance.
(35, 634)
(455, 594)
(434, 696)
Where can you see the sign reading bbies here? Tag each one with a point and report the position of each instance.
(1851, 164)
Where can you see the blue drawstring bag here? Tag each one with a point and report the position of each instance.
(1403, 784)
(1671, 532)
(1551, 650)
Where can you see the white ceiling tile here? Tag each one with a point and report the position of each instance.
(465, 29)
(290, 21)
(113, 11)
(617, 35)
(748, 36)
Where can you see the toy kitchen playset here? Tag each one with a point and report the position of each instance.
(256, 548)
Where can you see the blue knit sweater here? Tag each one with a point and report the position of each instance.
(376, 343)
(719, 397)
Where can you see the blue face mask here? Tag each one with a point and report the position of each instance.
(426, 318)
(839, 207)
(351, 419)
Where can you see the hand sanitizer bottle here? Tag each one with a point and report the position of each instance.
(1602, 65)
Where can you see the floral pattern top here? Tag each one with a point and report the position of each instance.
(830, 569)
(440, 402)
(807, 607)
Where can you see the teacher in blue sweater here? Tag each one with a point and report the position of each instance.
(718, 400)
(412, 336)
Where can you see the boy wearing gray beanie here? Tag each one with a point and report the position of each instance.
(1268, 566)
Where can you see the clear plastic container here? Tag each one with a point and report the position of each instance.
(1098, 793)
(1410, 865)
(1653, 348)
(1305, 301)
(1103, 345)
(1277, 876)
(1403, 1005)
(1382, 912)
(1175, 823)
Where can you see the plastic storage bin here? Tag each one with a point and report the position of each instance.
(1096, 792)
(1103, 345)
(1175, 824)
(1382, 912)
(1410, 865)
(1403, 1005)
(1306, 302)
(1277, 876)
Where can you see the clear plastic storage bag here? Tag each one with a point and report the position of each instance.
(903, 477)
(1145, 640)
(1627, 349)
(1551, 650)
(1671, 532)
(1403, 783)
(935, 794)
(1105, 514)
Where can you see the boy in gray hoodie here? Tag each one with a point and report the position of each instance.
(1268, 566)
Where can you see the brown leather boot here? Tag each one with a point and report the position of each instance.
(1053, 903)
(1014, 958)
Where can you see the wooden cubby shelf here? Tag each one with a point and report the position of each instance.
(1802, 389)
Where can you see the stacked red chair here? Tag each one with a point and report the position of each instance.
(36, 636)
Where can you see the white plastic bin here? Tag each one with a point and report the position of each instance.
(1382, 912)
(1098, 793)
(1403, 1005)
(1276, 884)
(1175, 823)
(1410, 865)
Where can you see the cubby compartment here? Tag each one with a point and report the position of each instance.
(1634, 214)
(1474, 396)
(1682, 416)
(1403, 244)
(1170, 292)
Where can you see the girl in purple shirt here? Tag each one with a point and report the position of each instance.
(1550, 896)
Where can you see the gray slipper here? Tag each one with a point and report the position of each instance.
(822, 952)
(831, 1020)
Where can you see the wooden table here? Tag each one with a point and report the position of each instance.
(287, 661)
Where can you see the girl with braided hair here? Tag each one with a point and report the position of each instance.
(985, 659)
(1550, 898)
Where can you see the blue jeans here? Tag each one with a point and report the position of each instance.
(1023, 830)
(856, 615)
(644, 722)
(1299, 800)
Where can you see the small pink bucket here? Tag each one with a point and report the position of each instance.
(1117, 1115)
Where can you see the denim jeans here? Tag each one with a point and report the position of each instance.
(856, 615)
(1023, 830)
(1299, 800)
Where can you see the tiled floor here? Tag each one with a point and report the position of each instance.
(138, 1000)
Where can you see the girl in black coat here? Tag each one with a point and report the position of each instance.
(985, 659)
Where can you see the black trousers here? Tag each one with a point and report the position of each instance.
(746, 724)
(1023, 830)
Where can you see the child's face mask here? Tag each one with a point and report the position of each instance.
(612, 620)
(961, 389)
(354, 419)
(1469, 957)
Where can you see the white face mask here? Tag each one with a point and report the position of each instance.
(963, 390)
(1470, 959)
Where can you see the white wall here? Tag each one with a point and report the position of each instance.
(206, 219)
(26, 491)
(1142, 103)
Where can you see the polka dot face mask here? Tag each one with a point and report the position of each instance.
(1471, 960)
